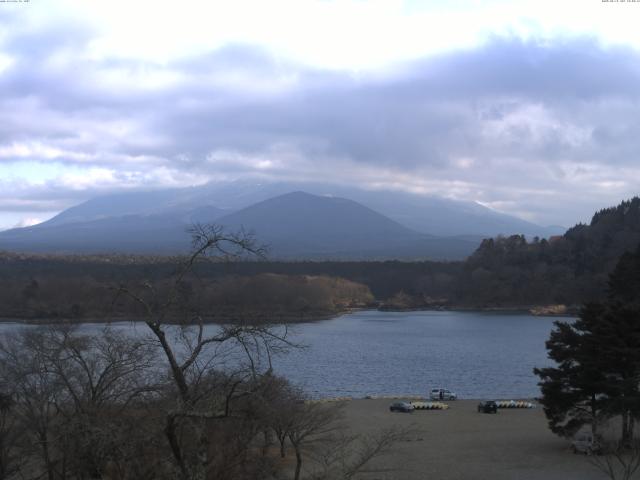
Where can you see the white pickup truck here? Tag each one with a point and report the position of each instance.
(442, 394)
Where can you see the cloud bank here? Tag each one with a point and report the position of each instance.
(544, 129)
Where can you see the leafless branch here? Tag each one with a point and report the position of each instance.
(617, 461)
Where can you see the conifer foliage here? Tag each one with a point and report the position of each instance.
(597, 375)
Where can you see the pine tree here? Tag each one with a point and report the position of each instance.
(572, 392)
(624, 281)
(598, 360)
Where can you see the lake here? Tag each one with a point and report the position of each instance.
(475, 354)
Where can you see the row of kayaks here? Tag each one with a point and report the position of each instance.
(514, 404)
(499, 403)
(429, 406)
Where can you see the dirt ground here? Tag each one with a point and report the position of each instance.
(461, 443)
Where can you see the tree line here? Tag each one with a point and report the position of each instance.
(46, 297)
(570, 269)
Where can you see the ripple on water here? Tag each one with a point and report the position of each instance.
(476, 354)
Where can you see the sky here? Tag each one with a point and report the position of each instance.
(531, 108)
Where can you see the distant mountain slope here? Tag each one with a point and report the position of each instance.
(443, 216)
(299, 214)
(426, 214)
(163, 233)
(179, 203)
(295, 225)
(129, 233)
(300, 225)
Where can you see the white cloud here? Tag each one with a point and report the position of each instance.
(508, 103)
(28, 222)
(347, 34)
(38, 150)
(5, 62)
(97, 179)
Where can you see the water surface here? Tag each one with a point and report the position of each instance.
(475, 354)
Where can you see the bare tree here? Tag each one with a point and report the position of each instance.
(10, 435)
(280, 406)
(100, 376)
(348, 456)
(617, 460)
(70, 393)
(196, 351)
(312, 424)
(36, 393)
(108, 369)
(318, 434)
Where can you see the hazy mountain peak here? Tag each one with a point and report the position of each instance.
(302, 220)
(423, 213)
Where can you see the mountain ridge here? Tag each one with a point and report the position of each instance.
(426, 214)
(296, 225)
(155, 222)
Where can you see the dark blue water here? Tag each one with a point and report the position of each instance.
(477, 355)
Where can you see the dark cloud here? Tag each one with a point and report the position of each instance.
(510, 123)
(435, 109)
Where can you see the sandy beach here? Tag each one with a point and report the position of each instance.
(460, 443)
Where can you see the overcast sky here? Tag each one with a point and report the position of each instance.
(531, 108)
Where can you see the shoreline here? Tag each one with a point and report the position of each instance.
(424, 398)
(537, 311)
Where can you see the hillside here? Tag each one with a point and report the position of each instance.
(160, 234)
(568, 269)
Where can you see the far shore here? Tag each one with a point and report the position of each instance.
(536, 310)
(539, 311)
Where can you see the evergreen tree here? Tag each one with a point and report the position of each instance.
(598, 360)
(624, 281)
(573, 392)
(617, 331)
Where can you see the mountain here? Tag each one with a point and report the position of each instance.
(162, 234)
(425, 214)
(157, 230)
(294, 225)
(301, 225)
(180, 204)
(156, 221)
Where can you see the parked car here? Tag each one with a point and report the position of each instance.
(442, 394)
(405, 407)
(488, 406)
(585, 443)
